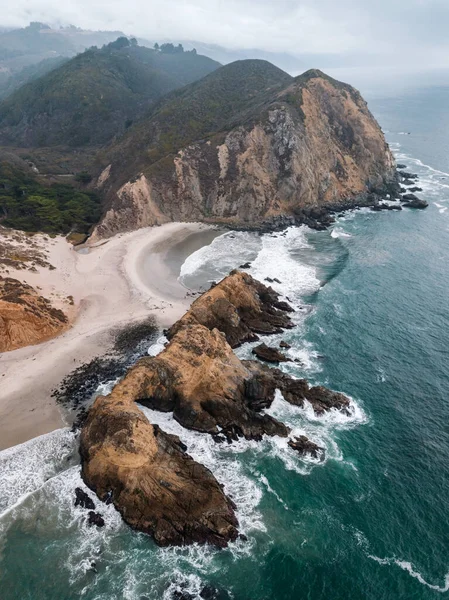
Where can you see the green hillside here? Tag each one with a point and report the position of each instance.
(95, 95)
(225, 97)
(28, 204)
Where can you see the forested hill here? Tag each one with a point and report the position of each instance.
(96, 95)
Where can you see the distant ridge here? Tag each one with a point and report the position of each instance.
(95, 95)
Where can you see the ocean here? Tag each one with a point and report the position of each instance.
(369, 522)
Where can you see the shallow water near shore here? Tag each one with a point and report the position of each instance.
(370, 522)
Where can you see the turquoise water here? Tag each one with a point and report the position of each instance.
(368, 523)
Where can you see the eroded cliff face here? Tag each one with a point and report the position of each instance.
(26, 317)
(314, 145)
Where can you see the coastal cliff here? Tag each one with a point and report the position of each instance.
(26, 317)
(145, 472)
(284, 150)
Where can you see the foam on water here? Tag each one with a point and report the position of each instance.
(409, 568)
(319, 429)
(25, 468)
(158, 346)
(222, 460)
(273, 255)
(226, 252)
(338, 232)
(279, 258)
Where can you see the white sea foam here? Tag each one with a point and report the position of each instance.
(226, 252)
(407, 566)
(279, 258)
(158, 346)
(338, 232)
(222, 460)
(272, 255)
(26, 467)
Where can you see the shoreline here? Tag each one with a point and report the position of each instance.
(113, 284)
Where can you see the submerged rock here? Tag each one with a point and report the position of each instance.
(303, 446)
(406, 175)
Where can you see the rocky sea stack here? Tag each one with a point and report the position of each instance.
(157, 487)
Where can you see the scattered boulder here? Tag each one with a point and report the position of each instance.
(304, 446)
(416, 203)
(246, 265)
(284, 344)
(401, 166)
(406, 175)
(84, 500)
(95, 519)
(415, 189)
(322, 399)
(269, 354)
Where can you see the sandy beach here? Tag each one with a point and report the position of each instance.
(117, 281)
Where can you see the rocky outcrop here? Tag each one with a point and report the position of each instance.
(156, 486)
(302, 445)
(145, 472)
(269, 354)
(206, 386)
(239, 306)
(26, 317)
(412, 201)
(307, 147)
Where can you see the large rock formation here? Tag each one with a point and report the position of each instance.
(156, 486)
(288, 150)
(239, 306)
(25, 316)
(153, 483)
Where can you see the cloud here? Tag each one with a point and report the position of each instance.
(374, 32)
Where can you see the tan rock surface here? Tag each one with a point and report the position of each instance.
(156, 486)
(26, 317)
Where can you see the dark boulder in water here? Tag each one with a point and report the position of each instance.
(416, 203)
(304, 446)
(415, 189)
(401, 166)
(406, 175)
(95, 519)
(269, 354)
(84, 500)
(283, 344)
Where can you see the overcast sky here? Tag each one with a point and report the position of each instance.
(371, 32)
